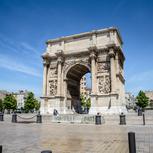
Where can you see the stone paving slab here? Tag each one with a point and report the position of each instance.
(62, 138)
(74, 138)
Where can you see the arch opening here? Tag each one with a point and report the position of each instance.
(74, 76)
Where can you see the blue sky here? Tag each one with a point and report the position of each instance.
(26, 25)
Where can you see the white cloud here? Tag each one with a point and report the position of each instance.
(18, 47)
(9, 63)
(9, 44)
(140, 81)
(27, 47)
(143, 76)
(15, 86)
(135, 89)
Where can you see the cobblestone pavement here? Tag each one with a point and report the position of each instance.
(74, 138)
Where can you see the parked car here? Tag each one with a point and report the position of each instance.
(18, 111)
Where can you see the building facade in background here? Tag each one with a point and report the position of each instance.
(149, 94)
(130, 100)
(20, 97)
(84, 90)
(83, 85)
(3, 93)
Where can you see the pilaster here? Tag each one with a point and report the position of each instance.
(93, 50)
(59, 55)
(112, 69)
(45, 63)
(65, 96)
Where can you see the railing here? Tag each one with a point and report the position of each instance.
(26, 119)
(38, 118)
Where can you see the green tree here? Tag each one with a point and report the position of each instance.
(85, 103)
(1, 105)
(88, 103)
(10, 103)
(142, 100)
(29, 102)
(37, 105)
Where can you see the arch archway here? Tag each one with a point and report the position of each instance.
(68, 58)
(74, 75)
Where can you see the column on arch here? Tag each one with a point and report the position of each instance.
(45, 63)
(65, 95)
(93, 69)
(59, 71)
(112, 69)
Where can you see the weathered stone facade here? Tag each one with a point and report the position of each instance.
(67, 59)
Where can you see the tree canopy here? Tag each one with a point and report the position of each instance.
(85, 102)
(142, 99)
(1, 105)
(31, 103)
(10, 102)
(37, 105)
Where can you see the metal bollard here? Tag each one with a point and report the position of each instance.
(132, 144)
(39, 118)
(1, 117)
(122, 119)
(144, 119)
(14, 118)
(139, 112)
(46, 151)
(1, 149)
(98, 119)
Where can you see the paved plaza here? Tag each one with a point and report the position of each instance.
(76, 138)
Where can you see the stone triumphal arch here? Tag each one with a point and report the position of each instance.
(68, 58)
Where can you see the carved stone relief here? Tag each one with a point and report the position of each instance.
(104, 84)
(71, 61)
(52, 72)
(102, 56)
(103, 67)
(120, 68)
(53, 64)
(53, 87)
(107, 84)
